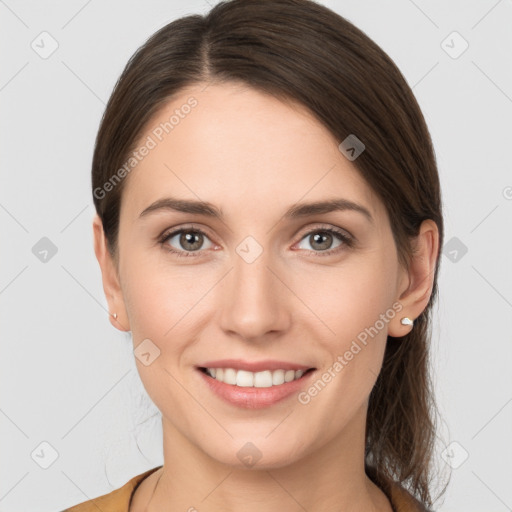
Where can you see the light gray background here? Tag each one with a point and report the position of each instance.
(69, 378)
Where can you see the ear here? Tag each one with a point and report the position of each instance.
(110, 278)
(415, 286)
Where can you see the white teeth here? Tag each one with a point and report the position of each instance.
(278, 377)
(243, 378)
(289, 375)
(264, 379)
(229, 376)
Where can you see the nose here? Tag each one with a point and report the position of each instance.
(256, 303)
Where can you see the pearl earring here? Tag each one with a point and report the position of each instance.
(406, 321)
(114, 315)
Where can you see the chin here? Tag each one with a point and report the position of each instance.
(256, 452)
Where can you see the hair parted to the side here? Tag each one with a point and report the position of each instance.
(301, 51)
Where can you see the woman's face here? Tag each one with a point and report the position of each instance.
(254, 284)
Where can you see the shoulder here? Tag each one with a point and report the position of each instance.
(401, 499)
(115, 501)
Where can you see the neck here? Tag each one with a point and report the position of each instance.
(330, 478)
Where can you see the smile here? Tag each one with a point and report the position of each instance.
(254, 390)
(262, 379)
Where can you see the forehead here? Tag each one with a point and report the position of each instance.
(240, 148)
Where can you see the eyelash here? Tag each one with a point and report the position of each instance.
(347, 241)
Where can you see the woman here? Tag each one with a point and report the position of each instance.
(268, 228)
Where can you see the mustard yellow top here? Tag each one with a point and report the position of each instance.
(119, 499)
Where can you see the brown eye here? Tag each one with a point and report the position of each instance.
(190, 240)
(322, 240)
(185, 241)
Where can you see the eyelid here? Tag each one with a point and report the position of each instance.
(346, 238)
(169, 233)
(327, 227)
(182, 227)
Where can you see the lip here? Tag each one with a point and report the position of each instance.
(254, 366)
(252, 397)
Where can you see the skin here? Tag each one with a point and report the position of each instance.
(254, 156)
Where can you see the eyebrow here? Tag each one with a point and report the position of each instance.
(296, 211)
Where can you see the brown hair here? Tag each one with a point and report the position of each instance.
(301, 51)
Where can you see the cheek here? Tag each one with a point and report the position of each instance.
(157, 293)
(353, 306)
(160, 307)
(350, 334)
(350, 297)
